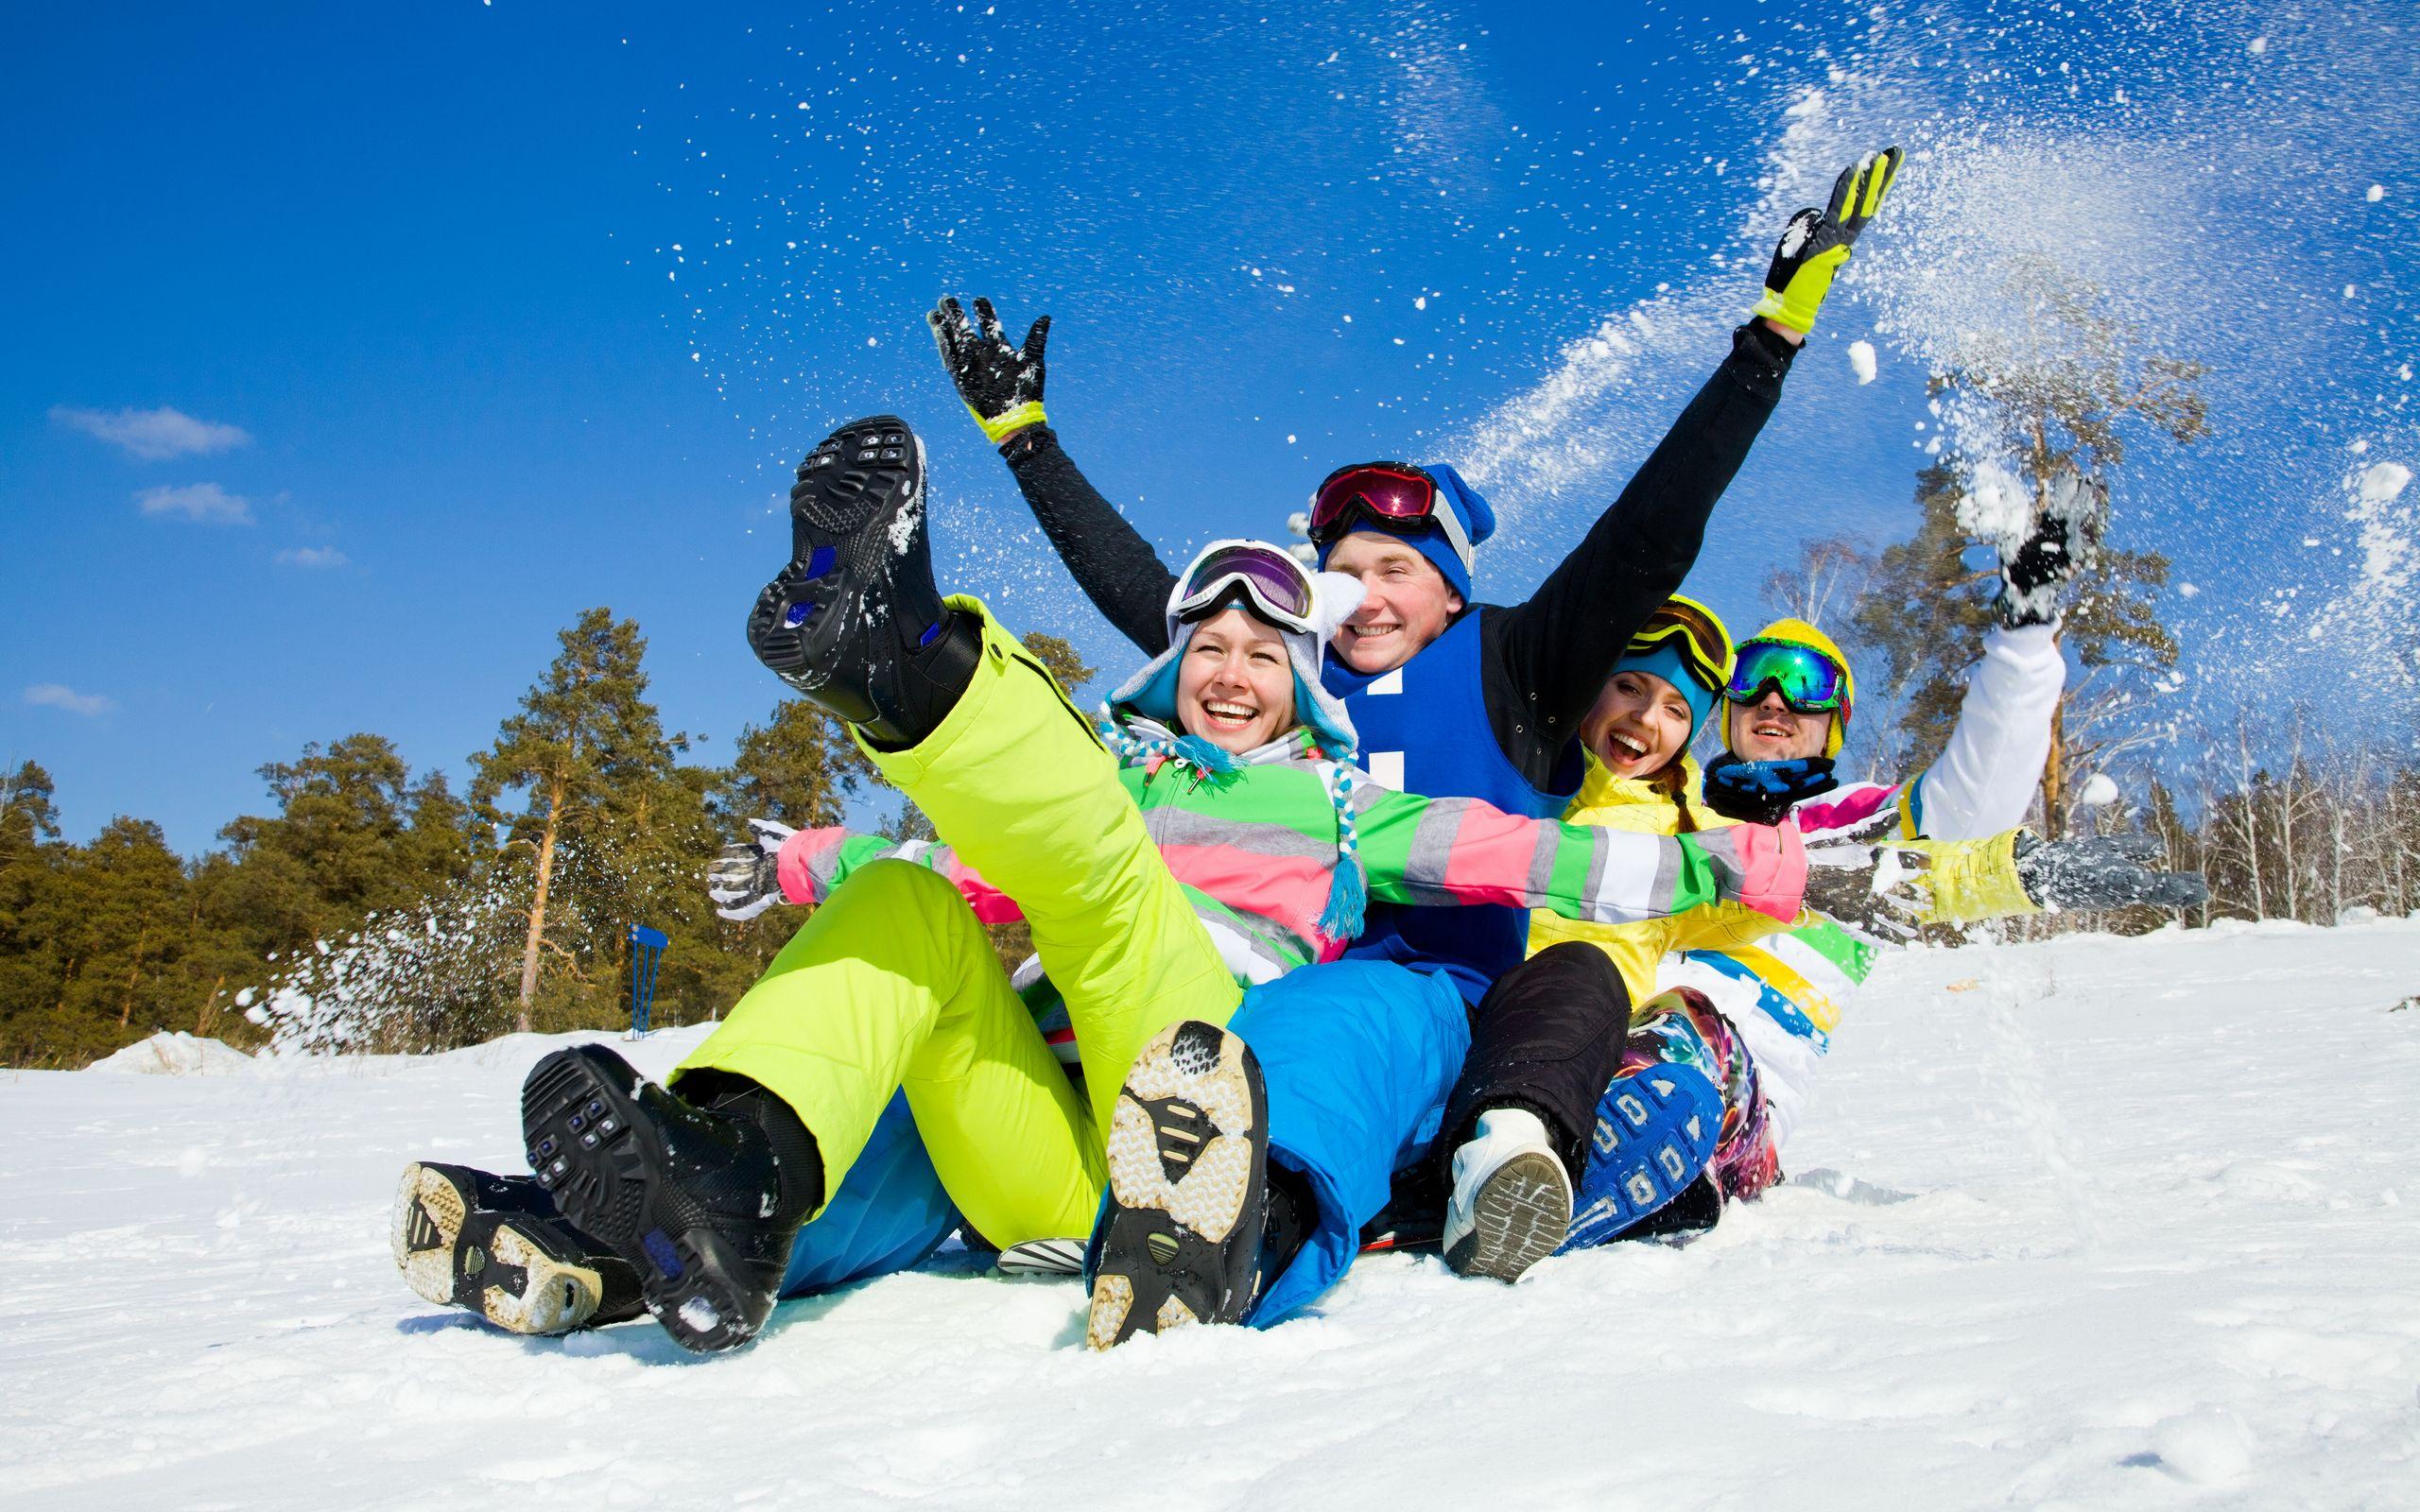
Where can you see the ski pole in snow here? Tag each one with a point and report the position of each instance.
(647, 949)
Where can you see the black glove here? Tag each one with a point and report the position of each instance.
(1765, 792)
(1000, 384)
(2035, 577)
(2107, 871)
(1816, 242)
(746, 879)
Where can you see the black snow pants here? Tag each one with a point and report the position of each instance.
(1547, 1038)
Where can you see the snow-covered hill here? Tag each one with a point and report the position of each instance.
(2099, 1223)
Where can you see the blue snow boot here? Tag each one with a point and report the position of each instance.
(855, 622)
(1656, 1128)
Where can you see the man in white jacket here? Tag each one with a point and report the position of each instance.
(1787, 708)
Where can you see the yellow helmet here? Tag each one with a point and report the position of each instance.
(1796, 633)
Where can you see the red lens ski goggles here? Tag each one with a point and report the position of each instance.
(1396, 497)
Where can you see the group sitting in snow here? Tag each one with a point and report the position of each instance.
(1366, 915)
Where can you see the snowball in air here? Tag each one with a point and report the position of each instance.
(2384, 482)
(2099, 791)
(2378, 192)
(1861, 360)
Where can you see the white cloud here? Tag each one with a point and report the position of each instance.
(60, 695)
(313, 557)
(153, 434)
(206, 502)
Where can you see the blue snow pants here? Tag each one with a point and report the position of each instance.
(890, 1213)
(1358, 1058)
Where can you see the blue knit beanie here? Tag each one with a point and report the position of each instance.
(1471, 510)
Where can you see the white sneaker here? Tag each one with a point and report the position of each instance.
(1511, 1202)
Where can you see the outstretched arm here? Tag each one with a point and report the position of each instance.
(779, 864)
(1002, 386)
(1982, 783)
(1460, 850)
(1555, 650)
(813, 862)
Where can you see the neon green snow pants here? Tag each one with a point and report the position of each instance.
(893, 983)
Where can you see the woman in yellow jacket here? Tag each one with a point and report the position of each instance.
(1526, 1115)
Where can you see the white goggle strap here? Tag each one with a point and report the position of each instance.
(1211, 594)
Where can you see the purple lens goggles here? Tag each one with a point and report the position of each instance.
(1275, 581)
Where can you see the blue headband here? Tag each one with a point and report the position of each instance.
(1665, 662)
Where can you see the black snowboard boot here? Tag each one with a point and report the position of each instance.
(495, 1245)
(853, 623)
(703, 1203)
(1182, 1237)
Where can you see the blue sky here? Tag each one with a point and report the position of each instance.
(486, 314)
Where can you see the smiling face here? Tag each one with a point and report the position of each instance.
(1767, 730)
(1638, 726)
(1234, 687)
(1407, 602)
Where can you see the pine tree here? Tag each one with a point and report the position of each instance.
(2044, 401)
(589, 757)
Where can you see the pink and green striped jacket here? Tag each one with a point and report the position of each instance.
(1255, 849)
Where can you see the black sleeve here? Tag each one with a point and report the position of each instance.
(1112, 562)
(1553, 653)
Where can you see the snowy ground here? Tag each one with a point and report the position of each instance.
(2131, 1223)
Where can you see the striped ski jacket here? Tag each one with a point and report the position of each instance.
(1257, 849)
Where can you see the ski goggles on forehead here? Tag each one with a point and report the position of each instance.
(1277, 588)
(1396, 497)
(1808, 681)
(1704, 643)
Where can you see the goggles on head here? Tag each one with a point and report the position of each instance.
(1267, 581)
(1692, 629)
(1396, 497)
(1808, 681)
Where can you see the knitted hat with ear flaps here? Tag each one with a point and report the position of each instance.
(1140, 721)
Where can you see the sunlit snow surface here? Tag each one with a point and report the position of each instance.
(2120, 1223)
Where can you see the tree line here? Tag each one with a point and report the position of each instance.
(376, 908)
(2283, 816)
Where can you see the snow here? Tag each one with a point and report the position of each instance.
(1861, 360)
(2384, 482)
(2096, 1223)
(175, 1053)
(2099, 791)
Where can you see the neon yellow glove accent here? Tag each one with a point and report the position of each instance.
(1815, 243)
(1000, 427)
(1795, 306)
(1974, 880)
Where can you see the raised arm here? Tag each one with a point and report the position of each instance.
(1557, 647)
(1982, 783)
(1002, 386)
